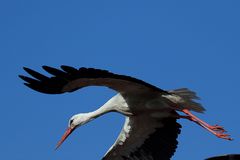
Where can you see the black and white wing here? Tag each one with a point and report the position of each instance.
(146, 138)
(69, 79)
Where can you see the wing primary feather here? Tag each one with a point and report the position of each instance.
(69, 69)
(35, 74)
(34, 87)
(27, 79)
(54, 71)
(44, 87)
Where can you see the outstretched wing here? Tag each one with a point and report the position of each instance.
(69, 79)
(145, 137)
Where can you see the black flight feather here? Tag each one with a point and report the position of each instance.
(60, 78)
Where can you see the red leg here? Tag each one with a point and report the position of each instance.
(194, 118)
(216, 130)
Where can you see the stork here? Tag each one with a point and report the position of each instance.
(150, 130)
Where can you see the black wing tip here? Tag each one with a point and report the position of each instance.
(30, 71)
(21, 76)
(69, 69)
(41, 83)
(45, 67)
(65, 66)
(27, 84)
(48, 69)
(27, 69)
(42, 89)
(61, 66)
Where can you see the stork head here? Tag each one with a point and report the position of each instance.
(74, 122)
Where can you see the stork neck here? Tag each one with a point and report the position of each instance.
(100, 111)
(109, 106)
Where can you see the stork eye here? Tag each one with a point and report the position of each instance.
(70, 122)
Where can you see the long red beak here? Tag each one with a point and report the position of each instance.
(64, 137)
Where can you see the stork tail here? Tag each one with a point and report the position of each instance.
(187, 99)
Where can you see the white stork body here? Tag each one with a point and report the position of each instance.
(150, 129)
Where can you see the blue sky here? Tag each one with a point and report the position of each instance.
(170, 44)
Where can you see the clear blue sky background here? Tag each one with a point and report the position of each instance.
(170, 44)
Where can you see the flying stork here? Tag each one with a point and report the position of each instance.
(150, 130)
